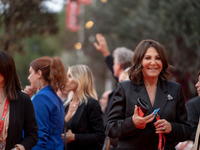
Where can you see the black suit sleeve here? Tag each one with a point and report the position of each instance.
(117, 124)
(109, 61)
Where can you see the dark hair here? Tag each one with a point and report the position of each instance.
(53, 71)
(8, 71)
(135, 72)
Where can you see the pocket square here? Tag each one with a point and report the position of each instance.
(169, 97)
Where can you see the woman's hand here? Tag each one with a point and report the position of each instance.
(29, 90)
(140, 122)
(69, 135)
(163, 126)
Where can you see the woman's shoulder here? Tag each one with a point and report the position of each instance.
(22, 96)
(91, 100)
(47, 94)
(126, 84)
(23, 99)
(93, 105)
(44, 99)
(172, 84)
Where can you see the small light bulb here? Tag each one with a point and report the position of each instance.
(104, 1)
(78, 45)
(89, 24)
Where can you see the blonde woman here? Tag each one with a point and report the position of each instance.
(83, 121)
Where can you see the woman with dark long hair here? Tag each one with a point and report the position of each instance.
(149, 81)
(16, 109)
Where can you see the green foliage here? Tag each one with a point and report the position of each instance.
(26, 26)
(22, 19)
(35, 48)
(175, 24)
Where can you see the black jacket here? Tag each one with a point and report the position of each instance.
(22, 117)
(87, 125)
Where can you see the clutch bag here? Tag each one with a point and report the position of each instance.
(143, 107)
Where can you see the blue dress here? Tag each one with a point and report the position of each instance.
(49, 112)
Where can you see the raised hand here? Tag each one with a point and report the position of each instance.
(29, 90)
(101, 46)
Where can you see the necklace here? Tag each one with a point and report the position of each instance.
(74, 104)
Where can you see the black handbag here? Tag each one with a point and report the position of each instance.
(143, 107)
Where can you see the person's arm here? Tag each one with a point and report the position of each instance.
(102, 47)
(96, 123)
(117, 125)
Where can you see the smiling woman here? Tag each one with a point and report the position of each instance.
(149, 76)
(152, 64)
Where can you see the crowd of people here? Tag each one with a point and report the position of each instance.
(65, 113)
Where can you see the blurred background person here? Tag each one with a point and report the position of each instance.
(124, 75)
(16, 109)
(193, 110)
(47, 75)
(83, 119)
(149, 81)
(62, 95)
(103, 101)
(117, 63)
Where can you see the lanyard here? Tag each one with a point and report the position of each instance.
(3, 115)
(160, 137)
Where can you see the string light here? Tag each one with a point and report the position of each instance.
(104, 1)
(89, 24)
(78, 45)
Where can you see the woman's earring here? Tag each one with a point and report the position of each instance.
(39, 86)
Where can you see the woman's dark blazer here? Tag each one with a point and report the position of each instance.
(169, 98)
(87, 125)
(22, 117)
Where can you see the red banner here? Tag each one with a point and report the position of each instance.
(72, 16)
(86, 2)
